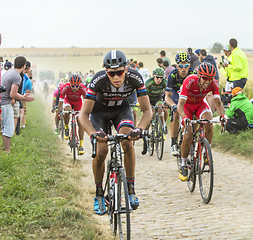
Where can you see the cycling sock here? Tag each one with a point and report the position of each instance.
(81, 143)
(173, 141)
(184, 160)
(130, 185)
(99, 189)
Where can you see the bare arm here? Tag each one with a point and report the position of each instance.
(14, 94)
(219, 106)
(168, 99)
(84, 116)
(180, 108)
(147, 112)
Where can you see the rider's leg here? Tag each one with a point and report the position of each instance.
(66, 116)
(81, 134)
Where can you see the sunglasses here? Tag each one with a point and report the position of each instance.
(118, 73)
(207, 79)
(159, 77)
(74, 86)
(183, 65)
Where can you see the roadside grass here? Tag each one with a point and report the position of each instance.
(241, 143)
(36, 199)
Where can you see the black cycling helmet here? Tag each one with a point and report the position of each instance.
(114, 59)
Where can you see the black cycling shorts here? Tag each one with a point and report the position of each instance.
(120, 116)
(154, 100)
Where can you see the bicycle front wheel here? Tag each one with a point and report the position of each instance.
(62, 128)
(205, 171)
(123, 204)
(159, 139)
(73, 143)
(191, 170)
(151, 142)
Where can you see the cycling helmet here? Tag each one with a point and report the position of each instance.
(158, 72)
(182, 57)
(60, 85)
(75, 79)
(114, 59)
(206, 70)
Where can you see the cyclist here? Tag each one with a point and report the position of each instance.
(45, 89)
(191, 101)
(175, 81)
(70, 98)
(106, 100)
(156, 89)
(55, 102)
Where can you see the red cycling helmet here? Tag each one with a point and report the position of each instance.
(206, 70)
(75, 79)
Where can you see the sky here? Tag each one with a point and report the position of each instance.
(132, 23)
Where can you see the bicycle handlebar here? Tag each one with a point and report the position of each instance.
(72, 112)
(111, 138)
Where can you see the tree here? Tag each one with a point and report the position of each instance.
(217, 47)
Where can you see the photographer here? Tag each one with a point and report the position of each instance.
(240, 113)
(11, 81)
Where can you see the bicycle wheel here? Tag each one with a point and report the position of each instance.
(191, 183)
(123, 204)
(159, 139)
(62, 128)
(73, 142)
(179, 142)
(205, 171)
(110, 198)
(151, 140)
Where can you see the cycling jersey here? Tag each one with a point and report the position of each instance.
(71, 98)
(56, 96)
(103, 92)
(155, 90)
(190, 90)
(67, 92)
(175, 82)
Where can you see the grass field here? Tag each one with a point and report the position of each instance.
(38, 197)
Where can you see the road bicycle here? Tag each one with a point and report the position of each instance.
(115, 189)
(73, 136)
(61, 125)
(155, 133)
(201, 160)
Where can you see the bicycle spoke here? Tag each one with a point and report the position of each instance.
(191, 170)
(159, 139)
(205, 171)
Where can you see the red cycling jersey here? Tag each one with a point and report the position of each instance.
(73, 98)
(195, 102)
(190, 90)
(67, 92)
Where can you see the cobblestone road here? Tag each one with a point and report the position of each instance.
(169, 211)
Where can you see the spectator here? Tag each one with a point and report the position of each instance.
(168, 69)
(11, 80)
(227, 91)
(238, 66)
(7, 66)
(194, 59)
(30, 75)
(144, 72)
(240, 112)
(160, 63)
(164, 58)
(203, 57)
(197, 52)
(27, 88)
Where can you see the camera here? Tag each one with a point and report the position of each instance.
(2, 89)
